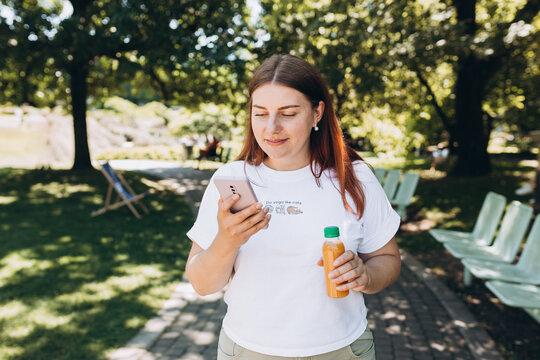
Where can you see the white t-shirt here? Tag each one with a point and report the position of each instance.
(277, 301)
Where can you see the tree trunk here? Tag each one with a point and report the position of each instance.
(79, 89)
(25, 92)
(25, 85)
(470, 132)
(537, 189)
(160, 83)
(473, 126)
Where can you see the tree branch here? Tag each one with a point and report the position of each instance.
(466, 15)
(444, 118)
(528, 12)
(160, 83)
(123, 47)
(79, 6)
(153, 75)
(525, 14)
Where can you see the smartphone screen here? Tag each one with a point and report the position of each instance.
(228, 186)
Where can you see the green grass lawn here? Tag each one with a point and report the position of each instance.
(75, 287)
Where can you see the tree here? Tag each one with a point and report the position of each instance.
(475, 71)
(481, 42)
(452, 61)
(179, 46)
(370, 87)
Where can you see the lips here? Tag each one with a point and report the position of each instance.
(275, 142)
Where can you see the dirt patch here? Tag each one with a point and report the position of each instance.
(415, 227)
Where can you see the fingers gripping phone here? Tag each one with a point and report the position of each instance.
(228, 186)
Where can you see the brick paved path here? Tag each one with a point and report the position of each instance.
(409, 322)
(415, 318)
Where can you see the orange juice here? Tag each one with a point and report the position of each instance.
(332, 249)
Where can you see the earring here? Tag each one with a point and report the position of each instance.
(316, 128)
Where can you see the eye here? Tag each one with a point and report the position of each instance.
(259, 114)
(289, 114)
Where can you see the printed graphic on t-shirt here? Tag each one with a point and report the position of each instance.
(284, 207)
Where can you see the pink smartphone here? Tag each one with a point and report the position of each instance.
(228, 186)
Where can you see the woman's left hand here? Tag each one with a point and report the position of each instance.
(350, 272)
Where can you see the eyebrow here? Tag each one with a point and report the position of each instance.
(281, 108)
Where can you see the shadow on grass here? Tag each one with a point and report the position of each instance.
(72, 286)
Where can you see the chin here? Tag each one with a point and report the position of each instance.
(273, 154)
(274, 158)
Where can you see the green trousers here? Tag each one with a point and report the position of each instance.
(361, 348)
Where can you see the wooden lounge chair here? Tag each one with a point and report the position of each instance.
(405, 192)
(527, 269)
(391, 183)
(518, 295)
(506, 244)
(125, 194)
(485, 226)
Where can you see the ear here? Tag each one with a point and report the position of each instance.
(319, 111)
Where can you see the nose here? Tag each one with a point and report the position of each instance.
(273, 125)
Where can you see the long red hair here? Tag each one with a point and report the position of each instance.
(327, 147)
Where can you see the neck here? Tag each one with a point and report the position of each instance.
(285, 165)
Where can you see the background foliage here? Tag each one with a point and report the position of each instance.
(404, 74)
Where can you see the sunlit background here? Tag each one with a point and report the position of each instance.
(103, 80)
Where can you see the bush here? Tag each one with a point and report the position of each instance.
(209, 119)
(121, 106)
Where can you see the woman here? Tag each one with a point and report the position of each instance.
(305, 179)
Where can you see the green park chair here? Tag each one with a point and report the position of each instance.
(220, 154)
(534, 312)
(405, 192)
(527, 269)
(485, 226)
(504, 248)
(225, 154)
(379, 174)
(391, 183)
(525, 296)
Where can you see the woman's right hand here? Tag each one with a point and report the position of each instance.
(236, 229)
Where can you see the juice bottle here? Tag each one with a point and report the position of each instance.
(332, 249)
